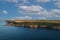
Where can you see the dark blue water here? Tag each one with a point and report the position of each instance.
(22, 33)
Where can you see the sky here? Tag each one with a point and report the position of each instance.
(30, 9)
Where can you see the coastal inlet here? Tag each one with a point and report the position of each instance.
(54, 24)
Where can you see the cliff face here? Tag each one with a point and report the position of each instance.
(35, 23)
(49, 21)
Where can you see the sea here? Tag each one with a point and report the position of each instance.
(24, 33)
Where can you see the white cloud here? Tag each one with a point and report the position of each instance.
(25, 1)
(54, 12)
(24, 17)
(57, 4)
(39, 11)
(18, 2)
(42, 18)
(43, 13)
(57, 15)
(33, 10)
(4, 12)
(43, 0)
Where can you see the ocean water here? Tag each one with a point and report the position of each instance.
(23, 33)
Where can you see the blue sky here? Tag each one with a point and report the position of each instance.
(30, 9)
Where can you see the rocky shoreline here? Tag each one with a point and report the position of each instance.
(54, 24)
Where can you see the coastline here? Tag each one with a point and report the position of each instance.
(54, 24)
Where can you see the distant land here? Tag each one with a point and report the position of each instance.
(35, 23)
